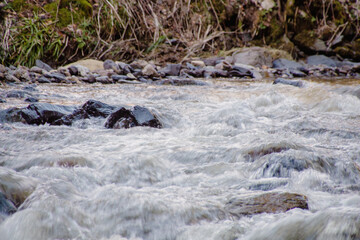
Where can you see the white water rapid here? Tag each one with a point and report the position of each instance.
(223, 141)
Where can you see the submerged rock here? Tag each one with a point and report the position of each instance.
(266, 203)
(296, 83)
(6, 206)
(138, 116)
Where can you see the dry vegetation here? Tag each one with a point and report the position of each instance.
(171, 30)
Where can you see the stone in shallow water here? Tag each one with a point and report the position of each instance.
(138, 116)
(31, 99)
(321, 60)
(41, 113)
(171, 70)
(6, 206)
(294, 83)
(91, 108)
(266, 203)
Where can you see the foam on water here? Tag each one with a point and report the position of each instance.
(223, 141)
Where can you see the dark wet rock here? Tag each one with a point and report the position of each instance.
(211, 72)
(117, 78)
(138, 116)
(91, 108)
(110, 64)
(282, 166)
(283, 63)
(58, 77)
(31, 99)
(6, 206)
(296, 83)
(104, 80)
(181, 82)
(98, 109)
(198, 72)
(297, 73)
(11, 115)
(30, 88)
(240, 72)
(171, 70)
(266, 203)
(41, 113)
(2, 100)
(73, 70)
(43, 79)
(121, 118)
(88, 79)
(17, 94)
(43, 65)
(212, 61)
(321, 60)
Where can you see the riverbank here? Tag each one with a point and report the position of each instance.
(253, 63)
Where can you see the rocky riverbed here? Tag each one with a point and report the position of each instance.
(248, 63)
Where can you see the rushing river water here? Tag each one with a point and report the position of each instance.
(222, 141)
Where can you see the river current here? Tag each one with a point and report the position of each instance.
(222, 141)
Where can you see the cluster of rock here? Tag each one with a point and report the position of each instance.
(46, 113)
(252, 63)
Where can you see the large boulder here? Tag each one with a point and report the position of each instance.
(137, 116)
(91, 108)
(257, 56)
(90, 64)
(316, 60)
(41, 113)
(266, 203)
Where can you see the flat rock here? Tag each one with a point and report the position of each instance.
(90, 64)
(31, 99)
(295, 83)
(43, 79)
(254, 56)
(283, 63)
(266, 203)
(139, 64)
(321, 60)
(104, 80)
(18, 94)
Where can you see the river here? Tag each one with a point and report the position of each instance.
(225, 140)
